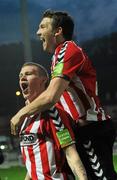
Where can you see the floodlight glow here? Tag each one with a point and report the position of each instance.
(2, 147)
(18, 93)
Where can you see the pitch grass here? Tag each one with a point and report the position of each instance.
(13, 173)
(115, 162)
(18, 173)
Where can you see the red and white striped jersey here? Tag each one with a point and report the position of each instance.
(80, 99)
(41, 146)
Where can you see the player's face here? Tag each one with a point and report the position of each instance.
(47, 35)
(30, 82)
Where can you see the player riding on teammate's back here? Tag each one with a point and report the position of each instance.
(73, 86)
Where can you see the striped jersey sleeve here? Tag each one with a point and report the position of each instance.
(66, 61)
(60, 125)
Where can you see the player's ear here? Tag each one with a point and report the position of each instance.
(58, 31)
(46, 82)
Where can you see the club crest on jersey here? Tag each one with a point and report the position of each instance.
(28, 139)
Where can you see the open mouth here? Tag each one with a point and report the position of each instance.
(24, 87)
(42, 39)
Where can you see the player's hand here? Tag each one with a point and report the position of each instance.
(14, 122)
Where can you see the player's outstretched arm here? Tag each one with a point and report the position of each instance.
(75, 162)
(43, 102)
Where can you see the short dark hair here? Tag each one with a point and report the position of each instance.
(42, 71)
(61, 19)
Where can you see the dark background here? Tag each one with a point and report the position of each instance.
(95, 31)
